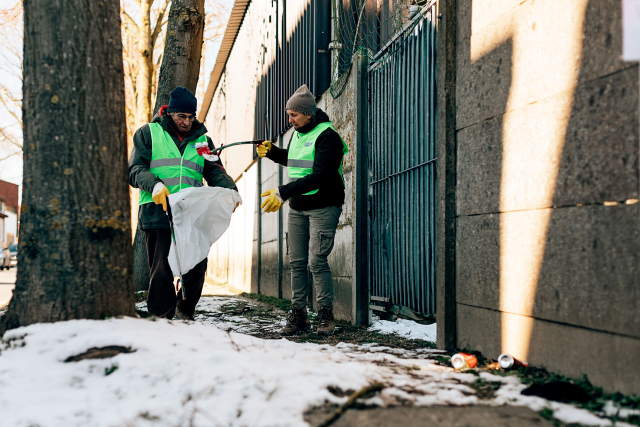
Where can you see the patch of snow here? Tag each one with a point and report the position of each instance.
(612, 410)
(509, 394)
(406, 329)
(204, 374)
(193, 374)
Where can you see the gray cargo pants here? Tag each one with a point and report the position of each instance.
(310, 236)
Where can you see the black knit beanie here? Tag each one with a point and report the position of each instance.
(182, 101)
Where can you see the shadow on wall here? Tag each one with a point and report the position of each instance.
(589, 274)
(548, 248)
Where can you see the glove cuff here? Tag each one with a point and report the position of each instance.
(157, 188)
(277, 194)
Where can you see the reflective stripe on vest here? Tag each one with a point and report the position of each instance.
(176, 171)
(302, 152)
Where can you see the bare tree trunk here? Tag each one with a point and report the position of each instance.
(75, 239)
(145, 62)
(182, 49)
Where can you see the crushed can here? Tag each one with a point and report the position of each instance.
(463, 360)
(507, 361)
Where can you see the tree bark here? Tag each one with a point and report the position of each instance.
(140, 262)
(182, 49)
(75, 253)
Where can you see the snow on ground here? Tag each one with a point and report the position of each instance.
(197, 374)
(405, 328)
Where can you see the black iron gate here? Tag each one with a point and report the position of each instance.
(402, 181)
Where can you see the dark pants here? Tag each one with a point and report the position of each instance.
(310, 237)
(162, 299)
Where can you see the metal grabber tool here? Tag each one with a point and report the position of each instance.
(175, 248)
(218, 150)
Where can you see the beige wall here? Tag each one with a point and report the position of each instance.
(548, 243)
(231, 115)
(230, 257)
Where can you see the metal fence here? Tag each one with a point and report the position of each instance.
(301, 56)
(402, 152)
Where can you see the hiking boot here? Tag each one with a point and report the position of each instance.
(298, 321)
(326, 324)
(181, 315)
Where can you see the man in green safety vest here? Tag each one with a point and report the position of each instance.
(163, 161)
(316, 195)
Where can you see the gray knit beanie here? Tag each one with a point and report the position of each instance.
(302, 101)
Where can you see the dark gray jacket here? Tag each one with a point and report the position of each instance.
(150, 215)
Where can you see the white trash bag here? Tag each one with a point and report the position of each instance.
(200, 216)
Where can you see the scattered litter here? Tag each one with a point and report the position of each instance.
(507, 361)
(463, 361)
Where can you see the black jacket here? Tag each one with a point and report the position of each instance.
(150, 215)
(324, 177)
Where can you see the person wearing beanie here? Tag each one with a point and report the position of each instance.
(158, 146)
(315, 195)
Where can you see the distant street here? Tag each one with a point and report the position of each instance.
(7, 282)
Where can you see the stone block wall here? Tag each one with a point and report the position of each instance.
(547, 230)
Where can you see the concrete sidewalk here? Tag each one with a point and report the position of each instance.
(436, 416)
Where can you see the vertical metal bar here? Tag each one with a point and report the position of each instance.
(393, 181)
(403, 176)
(434, 131)
(420, 213)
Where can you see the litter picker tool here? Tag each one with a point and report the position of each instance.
(212, 155)
(256, 142)
(175, 248)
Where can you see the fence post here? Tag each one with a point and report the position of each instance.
(361, 186)
(280, 225)
(446, 172)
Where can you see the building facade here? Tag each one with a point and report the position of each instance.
(10, 212)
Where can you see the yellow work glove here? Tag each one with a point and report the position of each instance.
(263, 149)
(273, 201)
(160, 194)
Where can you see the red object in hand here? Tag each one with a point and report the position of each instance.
(203, 148)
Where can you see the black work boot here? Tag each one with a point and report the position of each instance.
(326, 324)
(179, 315)
(298, 321)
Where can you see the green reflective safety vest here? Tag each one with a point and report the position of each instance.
(302, 152)
(175, 171)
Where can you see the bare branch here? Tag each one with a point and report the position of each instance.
(10, 155)
(130, 22)
(160, 22)
(6, 136)
(16, 103)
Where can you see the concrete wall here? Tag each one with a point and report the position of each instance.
(547, 237)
